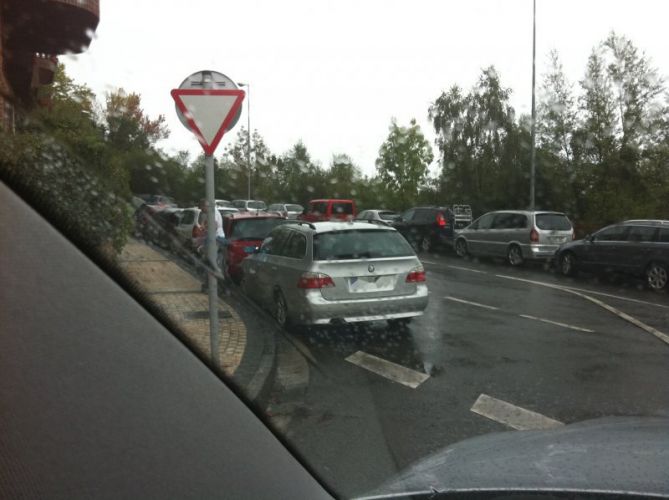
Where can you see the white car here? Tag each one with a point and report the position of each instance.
(288, 210)
(249, 205)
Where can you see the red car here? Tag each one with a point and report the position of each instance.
(244, 232)
(329, 209)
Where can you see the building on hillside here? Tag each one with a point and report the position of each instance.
(32, 34)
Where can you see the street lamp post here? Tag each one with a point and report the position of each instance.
(533, 154)
(248, 131)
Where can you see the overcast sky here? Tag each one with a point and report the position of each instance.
(333, 74)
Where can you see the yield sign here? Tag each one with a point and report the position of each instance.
(208, 112)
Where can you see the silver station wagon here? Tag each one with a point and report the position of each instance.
(336, 272)
(516, 235)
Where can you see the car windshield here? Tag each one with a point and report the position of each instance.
(360, 244)
(388, 215)
(556, 222)
(254, 229)
(525, 286)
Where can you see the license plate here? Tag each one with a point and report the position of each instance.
(362, 284)
(558, 239)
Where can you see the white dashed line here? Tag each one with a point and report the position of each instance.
(585, 290)
(468, 302)
(557, 323)
(526, 316)
(653, 331)
(391, 371)
(512, 415)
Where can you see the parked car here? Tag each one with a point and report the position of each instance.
(227, 211)
(185, 228)
(329, 209)
(638, 247)
(516, 235)
(288, 210)
(384, 216)
(165, 228)
(427, 228)
(333, 272)
(244, 233)
(249, 205)
(224, 204)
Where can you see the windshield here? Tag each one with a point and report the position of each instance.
(371, 346)
(388, 215)
(553, 221)
(254, 229)
(359, 244)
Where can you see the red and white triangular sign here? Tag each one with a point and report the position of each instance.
(208, 112)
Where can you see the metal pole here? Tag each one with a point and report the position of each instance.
(534, 113)
(248, 131)
(214, 334)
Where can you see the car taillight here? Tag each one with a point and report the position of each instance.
(315, 280)
(534, 236)
(416, 275)
(441, 220)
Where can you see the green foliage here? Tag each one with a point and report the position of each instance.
(403, 163)
(602, 155)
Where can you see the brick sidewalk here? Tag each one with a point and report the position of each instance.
(178, 294)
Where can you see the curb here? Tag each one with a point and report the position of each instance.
(254, 377)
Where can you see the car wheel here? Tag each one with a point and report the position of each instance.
(426, 244)
(515, 256)
(461, 248)
(568, 264)
(657, 276)
(280, 309)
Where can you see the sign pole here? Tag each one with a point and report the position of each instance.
(212, 250)
(208, 104)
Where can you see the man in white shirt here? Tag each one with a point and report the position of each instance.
(220, 237)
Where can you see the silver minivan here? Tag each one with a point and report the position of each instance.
(336, 272)
(516, 235)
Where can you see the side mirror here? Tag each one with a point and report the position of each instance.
(589, 238)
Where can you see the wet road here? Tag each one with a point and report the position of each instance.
(498, 349)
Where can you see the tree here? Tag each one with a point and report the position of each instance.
(127, 125)
(403, 162)
(479, 145)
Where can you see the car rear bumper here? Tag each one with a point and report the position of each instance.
(313, 309)
(536, 251)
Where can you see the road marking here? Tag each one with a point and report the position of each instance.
(586, 290)
(512, 415)
(454, 267)
(476, 304)
(653, 331)
(557, 323)
(388, 369)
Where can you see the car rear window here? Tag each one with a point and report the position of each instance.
(360, 244)
(318, 207)
(257, 205)
(294, 208)
(342, 208)
(555, 222)
(254, 229)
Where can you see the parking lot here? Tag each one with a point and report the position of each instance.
(499, 348)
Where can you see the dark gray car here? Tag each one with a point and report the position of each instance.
(638, 247)
(336, 272)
